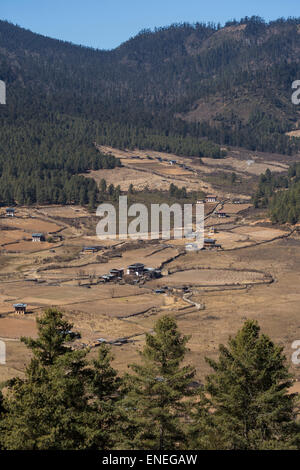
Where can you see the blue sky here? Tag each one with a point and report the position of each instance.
(105, 24)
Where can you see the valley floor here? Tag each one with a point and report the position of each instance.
(254, 273)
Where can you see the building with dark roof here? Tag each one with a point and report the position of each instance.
(136, 269)
(20, 308)
(116, 273)
(221, 214)
(38, 237)
(90, 249)
(10, 212)
(211, 198)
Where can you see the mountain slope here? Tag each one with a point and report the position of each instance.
(176, 89)
(156, 76)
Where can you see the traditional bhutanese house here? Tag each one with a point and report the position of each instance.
(136, 269)
(200, 201)
(38, 237)
(116, 273)
(209, 242)
(90, 249)
(211, 198)
(221, 214)
(10, 212)
(172, 162)
(212, 230)
(20, 308)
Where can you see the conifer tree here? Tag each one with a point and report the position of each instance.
(131, 189)
(157, 396)
(249, 394)
(53, 334)
(49, 409)
(63, 403)
(103, 186)
(104, 385)
(201, 433)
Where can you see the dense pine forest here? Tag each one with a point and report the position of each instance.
(45, 161)
(281, 195)
(186, 89)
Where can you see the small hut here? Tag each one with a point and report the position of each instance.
(136, 269)
(20, 308)
(221, 214)
(209, 243)
(38, 237)
(10, 212)
(90, 249)
(211, 198)
(116, 273)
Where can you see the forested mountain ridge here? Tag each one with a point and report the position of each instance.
(185, 88)
(163, 72)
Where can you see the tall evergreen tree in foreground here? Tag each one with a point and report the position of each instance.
(249, 394)
(49, 409)
(104, 385)
(53, 334)
(157, 399)
(66, 402)
(59, 403)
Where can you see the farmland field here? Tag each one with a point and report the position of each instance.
(253, 274)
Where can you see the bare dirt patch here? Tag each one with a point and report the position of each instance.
(30, 225)
(125, 176)
(260, 233)
(28, 246)
(120, 306)
(10, 236)
(251, 166)
(206, 277)
(235, 208)
(14, 327)
(64, 211)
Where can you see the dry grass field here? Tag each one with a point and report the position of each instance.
(252, 166)
(30, 225)
(11, 236)
(68, 212)
(210, 277)
(26, 246)
(154, 173)
(254, 274)
(232, 209)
